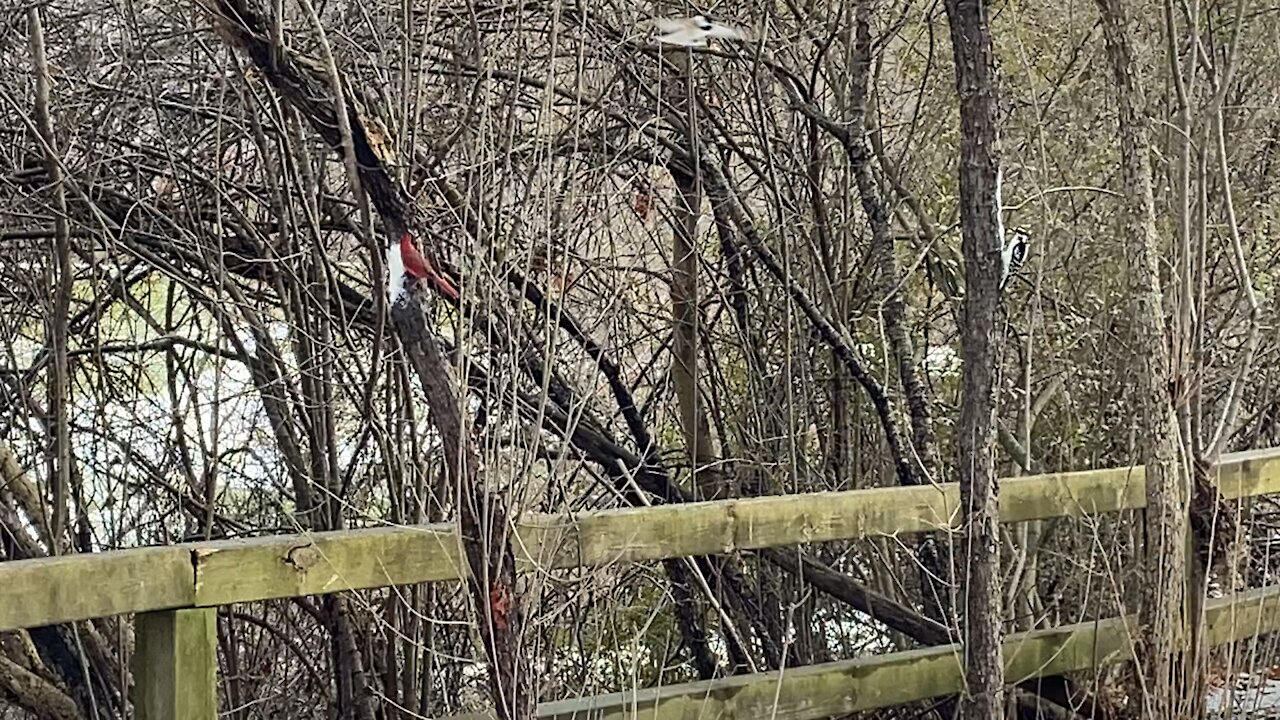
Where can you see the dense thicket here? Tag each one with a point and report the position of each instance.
(729, 274)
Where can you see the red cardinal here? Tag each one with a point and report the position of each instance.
(420, 268)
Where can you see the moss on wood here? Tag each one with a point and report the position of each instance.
(45, 591)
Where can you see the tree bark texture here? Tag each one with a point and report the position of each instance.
(708, 480)
(685, 339)
(59, 457)
(684, 288)
(1159, 673)
(483, 523)
(981, 246)
(935, 580)
(482, 520)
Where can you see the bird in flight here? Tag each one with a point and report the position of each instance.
(694, 31)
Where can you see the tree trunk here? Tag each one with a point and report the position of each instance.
(1158, 677)
(981, 244)
(59, 456)
(935, 580)
(482, 520)
(694, 425)
(335, 113)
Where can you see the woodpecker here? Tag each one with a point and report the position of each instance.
(407, 260)
(1013, 256)
(694, 31)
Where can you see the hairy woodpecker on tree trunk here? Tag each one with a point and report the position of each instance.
(1013, 255)
(1014, 244)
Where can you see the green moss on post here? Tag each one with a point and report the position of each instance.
(175, 665)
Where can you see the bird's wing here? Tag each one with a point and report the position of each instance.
(688, 38)
(669, 25)
(728, 32)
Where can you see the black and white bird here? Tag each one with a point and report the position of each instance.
(694, 31)
(1013, 255)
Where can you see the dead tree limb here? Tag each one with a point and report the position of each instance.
(482, 515)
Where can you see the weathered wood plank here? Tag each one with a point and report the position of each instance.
(1243, 615)
(819, 691)
(37, 592)
(77, 587)
(1249, 473)
(641, 534)
(296, 565)
(175, 665)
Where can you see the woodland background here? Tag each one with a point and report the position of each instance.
(196, 345)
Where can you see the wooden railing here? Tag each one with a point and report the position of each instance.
(176, 589)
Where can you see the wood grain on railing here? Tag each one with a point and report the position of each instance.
(47, 591)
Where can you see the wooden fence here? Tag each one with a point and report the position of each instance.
(176, 589)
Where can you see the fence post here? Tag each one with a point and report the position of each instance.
(175, 665)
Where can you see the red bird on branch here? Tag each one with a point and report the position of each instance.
(419, 267)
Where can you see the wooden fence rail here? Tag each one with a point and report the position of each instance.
(174, 646)
(837, 688)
